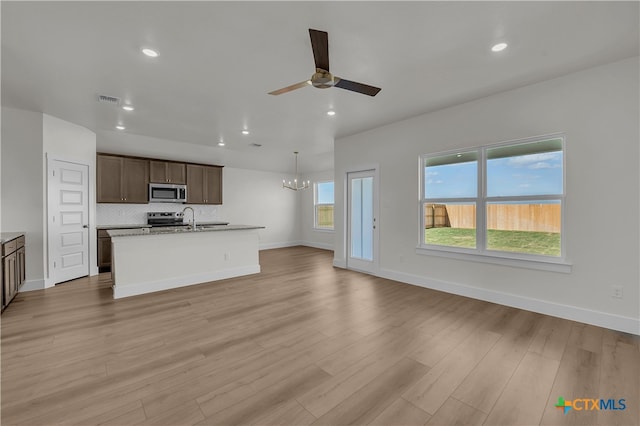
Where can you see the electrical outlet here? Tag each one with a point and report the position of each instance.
(617, 292)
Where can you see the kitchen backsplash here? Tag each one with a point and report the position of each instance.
(134, 214)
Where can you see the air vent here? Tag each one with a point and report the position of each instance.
(109, 99)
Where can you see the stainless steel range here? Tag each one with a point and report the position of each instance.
(156, 219)
(159, 219)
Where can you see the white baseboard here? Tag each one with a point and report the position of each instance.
(323, 246)
(600, 319)
(32, 285)
(170, 283)
(339, 263)
(269, 246)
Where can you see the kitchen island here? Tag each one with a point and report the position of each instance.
(145, 260)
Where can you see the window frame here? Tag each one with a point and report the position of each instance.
(480, 253)
(316, 205)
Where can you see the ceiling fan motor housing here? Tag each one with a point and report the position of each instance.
(322, 79)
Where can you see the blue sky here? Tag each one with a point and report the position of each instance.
(325, 192)
(533, 174)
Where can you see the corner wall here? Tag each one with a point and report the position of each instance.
(66, 141)
(28, 138)
(23, 193)
(597, 109)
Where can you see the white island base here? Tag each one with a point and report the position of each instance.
(144, 262)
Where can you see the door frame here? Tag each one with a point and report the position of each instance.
(375, 263)
(49, 279)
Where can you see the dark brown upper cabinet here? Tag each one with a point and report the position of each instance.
(122, 179)
(204, 184)
(167, 172)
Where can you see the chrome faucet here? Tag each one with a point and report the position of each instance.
(193, 217)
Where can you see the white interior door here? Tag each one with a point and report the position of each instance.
(362, 227)
(68, 207)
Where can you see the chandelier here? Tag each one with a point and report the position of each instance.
(295, 185)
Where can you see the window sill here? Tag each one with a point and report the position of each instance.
(331, 231)
(544, 264)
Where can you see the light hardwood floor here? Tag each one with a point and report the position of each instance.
(302, 343)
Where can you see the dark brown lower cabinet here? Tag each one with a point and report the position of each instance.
(104, 251)
(13, 268)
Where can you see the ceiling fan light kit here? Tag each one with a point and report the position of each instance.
(322, 78)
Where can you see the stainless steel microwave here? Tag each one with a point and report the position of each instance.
(167, 193)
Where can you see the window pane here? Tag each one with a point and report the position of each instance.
(451, 176)
(451, 224)
(525, 169)
(324, 216)
(324, 193)
(525, 227)
(362, 218)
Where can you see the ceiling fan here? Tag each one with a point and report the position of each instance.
(323, 79)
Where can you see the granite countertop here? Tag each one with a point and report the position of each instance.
(8, 236)
(142, 225)
(179, 230)
(127, 226)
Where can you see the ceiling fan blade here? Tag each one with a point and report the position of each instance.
(354, 86)
(290, 88)
(320, 46)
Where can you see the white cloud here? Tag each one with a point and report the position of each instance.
(432, 173)
(531, 159)
(540, 165)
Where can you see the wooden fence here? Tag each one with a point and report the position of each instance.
(324, 216)
(509, 217)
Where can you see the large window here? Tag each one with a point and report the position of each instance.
(323, 205)
(501, 200)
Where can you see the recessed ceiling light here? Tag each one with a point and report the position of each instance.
(221, 143)
(245, 132)
(119, 127)
(458, 155)
(150, 52)
(331, 113)
(128, 108)
(499, 47)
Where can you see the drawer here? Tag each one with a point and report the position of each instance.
(20, 242)
(9, 247)
(102, 233)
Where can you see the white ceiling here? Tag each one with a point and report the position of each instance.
(218, 60)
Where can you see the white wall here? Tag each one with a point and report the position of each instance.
(237, 154)
(257, 198)
(312, 237)
(65, 141)
(598, 111)
(27, 139)
(22, 186)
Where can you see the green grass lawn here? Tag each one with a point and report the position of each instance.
(546, 243)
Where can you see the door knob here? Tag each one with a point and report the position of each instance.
(85, 226)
